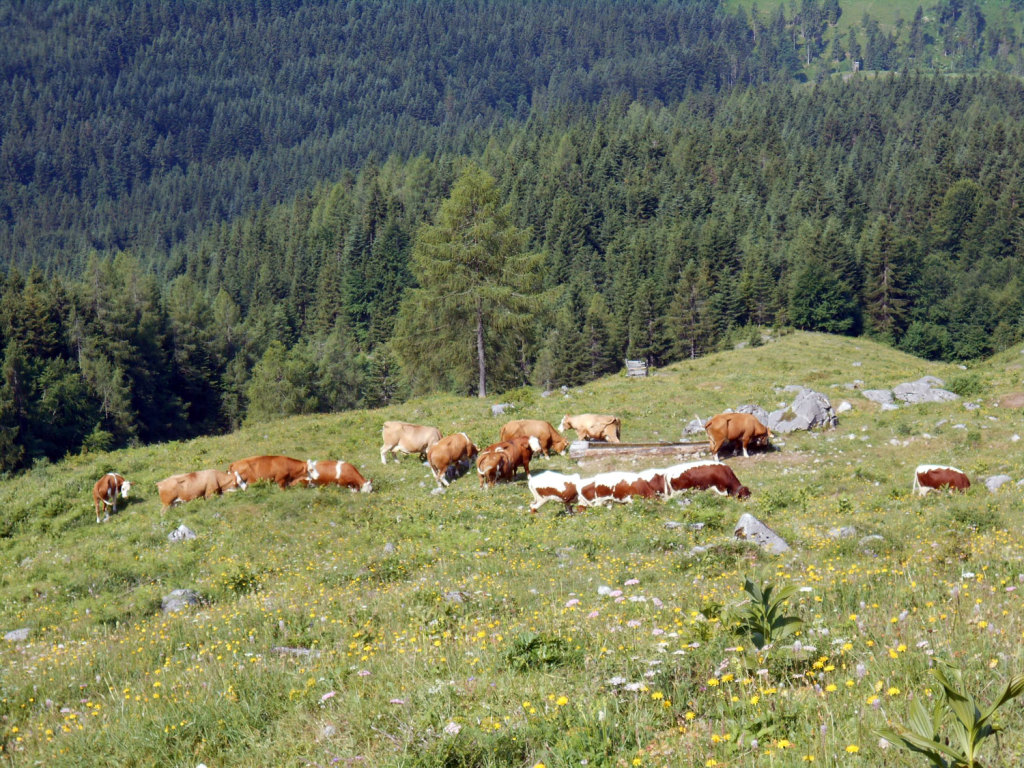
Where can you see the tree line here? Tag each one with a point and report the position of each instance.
(885, 206)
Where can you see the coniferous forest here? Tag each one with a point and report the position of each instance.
(213, 212)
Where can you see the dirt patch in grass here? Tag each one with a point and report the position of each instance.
(1012, 400)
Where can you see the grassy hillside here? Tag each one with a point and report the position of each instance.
(405, 628)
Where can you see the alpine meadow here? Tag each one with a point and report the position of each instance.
(265, 228)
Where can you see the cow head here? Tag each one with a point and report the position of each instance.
(311, 473)
(366, 487)
(239, 481)
(743, 492)
(125, 487)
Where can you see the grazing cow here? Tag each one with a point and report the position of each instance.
(407, 438)
(519, 450)
(554, 486)
(204, 483)
(932, 477)
(341, 473)
(702, 476)
(592, 426)
(736, 426)
(283, 470)
(448, 452)
(106, 491)
(658, 481)
(492, 466)
(613, 487)
(547, 435)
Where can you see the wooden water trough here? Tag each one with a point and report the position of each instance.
(586, 449)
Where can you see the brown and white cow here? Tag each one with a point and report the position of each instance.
(549, 438)
(703, 476)
(341, 473)
(519, 451)
(203, 483)
(742, 427)
(283, 470)
(553, 486)
(105, 492)
(611, 487)
(658, 481)
(932, 477)
(593, 426)
(450, 452)
(492, 466)
(401, 436)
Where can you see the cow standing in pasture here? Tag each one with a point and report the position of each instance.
(341, 473)
(105, 493)
(283, 470)
(593, 426)
(450, 452)
(549, 437)
(203, 483)
(742, 427)
(518, 450)
(932, 477)
(492, 466)
(402, 437)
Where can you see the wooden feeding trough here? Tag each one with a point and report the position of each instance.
(586, 449)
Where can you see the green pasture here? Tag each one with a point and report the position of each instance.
(405, 628)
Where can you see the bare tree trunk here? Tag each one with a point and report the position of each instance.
(482, 367)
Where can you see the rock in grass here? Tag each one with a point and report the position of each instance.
(993, 483)
(880, 396)
(181, 533)
(179, 600)
(842, 532)
(752, 529)
(17, 635)
(927, 389)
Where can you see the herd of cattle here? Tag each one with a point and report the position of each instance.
(451, 456)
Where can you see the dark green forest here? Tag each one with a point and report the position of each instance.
(218, 212)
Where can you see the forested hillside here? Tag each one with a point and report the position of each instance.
(229, 212)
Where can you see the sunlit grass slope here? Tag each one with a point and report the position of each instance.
(403, 628)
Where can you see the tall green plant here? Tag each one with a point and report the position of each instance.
(970, 725)
(761, 618)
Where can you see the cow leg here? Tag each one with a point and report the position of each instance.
(383, 454)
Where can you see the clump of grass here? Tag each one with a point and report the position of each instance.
(538, 651)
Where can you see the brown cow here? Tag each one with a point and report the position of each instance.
(106, 491)
(702, 476)
(341, 473)
(519, 451)
(592, 426)
(407, 438)
(204, 483)
(736, 426)
(547, 435)
(283, 470)
(613, 487)
(932, 477)
(492, 466)
(449, 452)
(554, 486)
